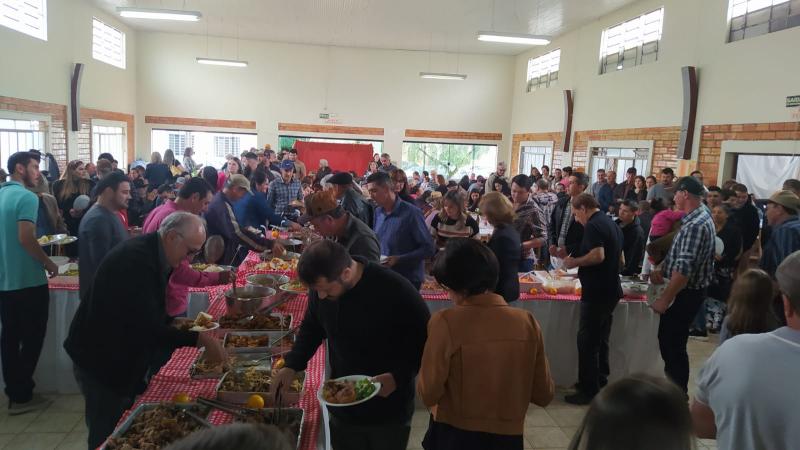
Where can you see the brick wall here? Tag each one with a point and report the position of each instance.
(58, 118)
(455, 135)
(330, 129)
(665, 144)
(214, 123)
(516, 144)
(711, 137)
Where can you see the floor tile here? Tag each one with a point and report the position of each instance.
(539, 418)
(5, 439)
(35, 441)
(55, 422)
(67, 403)
(566, 417)
(420, 419)
(546, 437)
(74, 441)
(15, 424)
(417, 434)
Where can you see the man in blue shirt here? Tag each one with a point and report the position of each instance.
(24, 295)
(401, 230)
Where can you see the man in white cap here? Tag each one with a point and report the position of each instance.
(746, 392)
(222, 221)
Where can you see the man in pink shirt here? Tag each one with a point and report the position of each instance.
(193, 197)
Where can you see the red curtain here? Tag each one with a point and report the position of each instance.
(341, 157)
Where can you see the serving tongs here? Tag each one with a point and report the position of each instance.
(278, 339)
(202, 421)
(283, 297)
(229, 408)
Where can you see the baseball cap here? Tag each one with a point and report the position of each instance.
(689, 184)
(287, 165)
(787, 199)
(341, 178)
(238, 180)
(788, 276)
(319, 204)
(180, 180)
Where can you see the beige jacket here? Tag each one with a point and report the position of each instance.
(483, 363)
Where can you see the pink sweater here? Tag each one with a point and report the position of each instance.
(663, 222)
(183, 276)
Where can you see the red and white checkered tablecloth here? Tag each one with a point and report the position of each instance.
(174, 377)
(442, 296)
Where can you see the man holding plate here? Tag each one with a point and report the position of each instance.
(375, 323)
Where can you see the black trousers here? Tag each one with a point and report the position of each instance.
(104, 407)
(23, 314)
(593, 333)
(348, 436)
(442, 436)
(673, 333)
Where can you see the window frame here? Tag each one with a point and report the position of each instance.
(201, 154)
(738, 31)
(548, 155)
(548, 75)
(120, 63)
(620, 145)
(642, 48)
(20, 27)
(45, 133)
(122, 160)
(495, 144)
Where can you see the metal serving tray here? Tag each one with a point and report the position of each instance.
(240, 360)
(264, 349)
(240, 398)
(120, 431)
(270, 412)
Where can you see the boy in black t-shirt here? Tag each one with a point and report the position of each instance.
(599, 260)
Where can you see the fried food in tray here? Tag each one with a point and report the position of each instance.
(258, 322)
(238, 341)
(203, 369)
(289, 420)
(254, 380)
(431, 285)
(152, 427)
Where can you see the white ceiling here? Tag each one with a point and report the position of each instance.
(440, 25)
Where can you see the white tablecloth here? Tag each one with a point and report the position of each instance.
(633, 346)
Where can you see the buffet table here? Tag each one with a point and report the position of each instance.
(633, 346)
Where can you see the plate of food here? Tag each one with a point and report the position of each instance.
(203, 322)
(294, 287)
(348, 391)
(50, 239)
(204, 267)
(278, 264)
(67, 240)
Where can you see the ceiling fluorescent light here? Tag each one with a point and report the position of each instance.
(222, 62)
(159, 14)
(442, 76)
(513, 38)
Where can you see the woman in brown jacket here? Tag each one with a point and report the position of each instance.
(484, 360)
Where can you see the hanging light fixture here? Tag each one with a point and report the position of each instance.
(159, 14)
(222, 62)
(513, 38)
(442, 76)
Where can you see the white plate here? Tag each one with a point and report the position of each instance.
(285, 288)
(214, 326)
(67, 240)
(349, 378)
(53, 239)
(383, 259)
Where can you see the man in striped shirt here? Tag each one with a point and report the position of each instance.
(689, 265)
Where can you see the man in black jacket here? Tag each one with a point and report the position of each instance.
(351, 201)
(564, 232)
(746, 218)
(376, 324)
(633, 237)
(123, 321)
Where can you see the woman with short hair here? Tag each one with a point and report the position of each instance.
(505, 242)
(484, 361)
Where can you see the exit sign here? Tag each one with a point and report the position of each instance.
(792, 101)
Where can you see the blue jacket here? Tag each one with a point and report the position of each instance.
(403, 233)
(253, 211)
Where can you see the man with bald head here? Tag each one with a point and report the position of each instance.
(122, 321)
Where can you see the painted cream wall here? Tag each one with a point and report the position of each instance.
(741, 82)
(41, 70)
(293, 83)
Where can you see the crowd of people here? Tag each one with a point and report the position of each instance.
(720, 262)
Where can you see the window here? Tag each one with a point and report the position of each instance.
(450, 160)
(108, 44)
(25, 16)
(288, 142)
(110, 139)
(619, 160)
(631, 43)
(543, 70)
(225, 145)
(749, 18)
(20, 135)
(209, 147)
(534, 156)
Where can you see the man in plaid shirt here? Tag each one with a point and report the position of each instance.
(689, 265)
(283, 190)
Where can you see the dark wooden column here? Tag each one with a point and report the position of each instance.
(690, 90)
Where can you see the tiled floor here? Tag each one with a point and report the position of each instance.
(61, 426)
